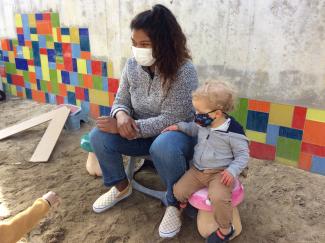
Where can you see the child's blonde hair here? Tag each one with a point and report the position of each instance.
(218, 94)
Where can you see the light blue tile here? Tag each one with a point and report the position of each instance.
(42, 41)
(272, 134)
(318, 165)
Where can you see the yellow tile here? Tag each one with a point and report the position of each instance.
(65, 38)
(59, 77)
(11, 56)
(98, 97)
(78, 102)
(4, 80)
(26, 52)
(55, 35)
(110, 69)
(34, 37)
(33, 86)
(315, 115)
(13, 90)
(19, 72)
(74, 35)
(286, 161)
(82, 66)
(45, 68)
(256, 136)
(18, 20)
(281, 115)
(50, 45)
(31, 20)
(31, 68)
(71, 88)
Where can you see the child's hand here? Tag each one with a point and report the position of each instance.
(227, 178)
(170, 128)
(52, 198)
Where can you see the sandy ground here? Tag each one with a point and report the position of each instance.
(282, 204)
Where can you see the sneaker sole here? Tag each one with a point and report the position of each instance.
(170, 234)
(100, 210)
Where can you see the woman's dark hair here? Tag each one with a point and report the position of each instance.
(167, 38)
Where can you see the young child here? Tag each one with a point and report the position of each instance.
(220, 155)
(11, 231)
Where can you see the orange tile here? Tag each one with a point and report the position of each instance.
(38, 96)
(314, 133)
(20, 94)
(85, 55)
(256, 105)
(94, 110)
(58, 33)
(28, 43)
(32, 77)
(305, 161)
(60, 66)
(49, 87)
(111, 97)
(88, 81)
(5, 45)
(63, 90)
(44, 27)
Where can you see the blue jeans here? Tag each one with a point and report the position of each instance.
(170, 153)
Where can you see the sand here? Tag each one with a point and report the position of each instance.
(282, 204)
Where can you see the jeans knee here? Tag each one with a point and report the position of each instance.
(94, 138)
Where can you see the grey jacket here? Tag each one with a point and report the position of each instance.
(217, 149)
(143, 98)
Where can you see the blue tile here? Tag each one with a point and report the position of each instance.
(21, 40)
(51, 55)
(33, 30)
(42, 41)
(75, 50)
(39, 16)
(28, 93)
(71, 98)
(83, 31)
(11, 45)
(65, 77)
(20, 53)
(104, 110)
(84, 43)
(74, 65)
(257, 121)
(52, 65)
(37, 60)
(47, 98)
(74, 79)
(105, 83)
(9, 79)
(86, 94)
(5, 53)
(88, 62)
(19, 88)
(27, 85)
(52, 99)
(6, 59)
(25, 26)
(104, 69)
(318, 165)
(21, 64)
(65, 31)
(58, 49)
(38, 71)
(272, 134)
(85, 106)
(290, 133)
(38, 83)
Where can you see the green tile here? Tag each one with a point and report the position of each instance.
(81, 81)
(53, 76)
(49, 38)
(59, 60)
(26, 76)
(43, 85)
(288, 148)
(55, 88)
(15, 42)
(55, 19)
(240, 112)
(10, 68)
(97, 82)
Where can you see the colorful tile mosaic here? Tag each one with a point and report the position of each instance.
(52, 64)
(289, 134)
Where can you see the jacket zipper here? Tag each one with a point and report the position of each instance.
(206, 141)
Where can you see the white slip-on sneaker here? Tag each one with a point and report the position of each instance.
(171, 223)
(110, 198)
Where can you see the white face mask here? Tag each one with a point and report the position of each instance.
(143, 56)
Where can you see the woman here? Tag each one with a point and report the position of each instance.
(154, 92)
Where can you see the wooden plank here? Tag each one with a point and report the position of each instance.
(9, 131)
(46, 145)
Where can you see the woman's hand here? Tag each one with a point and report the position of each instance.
(126, 125)
(170, 128)
(227, 178)
(107, 124)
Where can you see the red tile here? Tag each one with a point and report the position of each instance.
(20, 30)
(30, 62)
(314, 133)
(59, 100)
(68, 63)
(96, 67)
(47, 16)
(17, 80)
(305, 161)
(43, 51)
(313, 149)
(66, 50)
(2, 72)
(80, 93)
(113, 85)
(299, 117)
(262, 151)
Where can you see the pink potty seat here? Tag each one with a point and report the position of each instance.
(200, 199)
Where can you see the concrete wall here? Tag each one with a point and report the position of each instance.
(271, 49)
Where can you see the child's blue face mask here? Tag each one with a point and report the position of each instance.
(204, 119)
